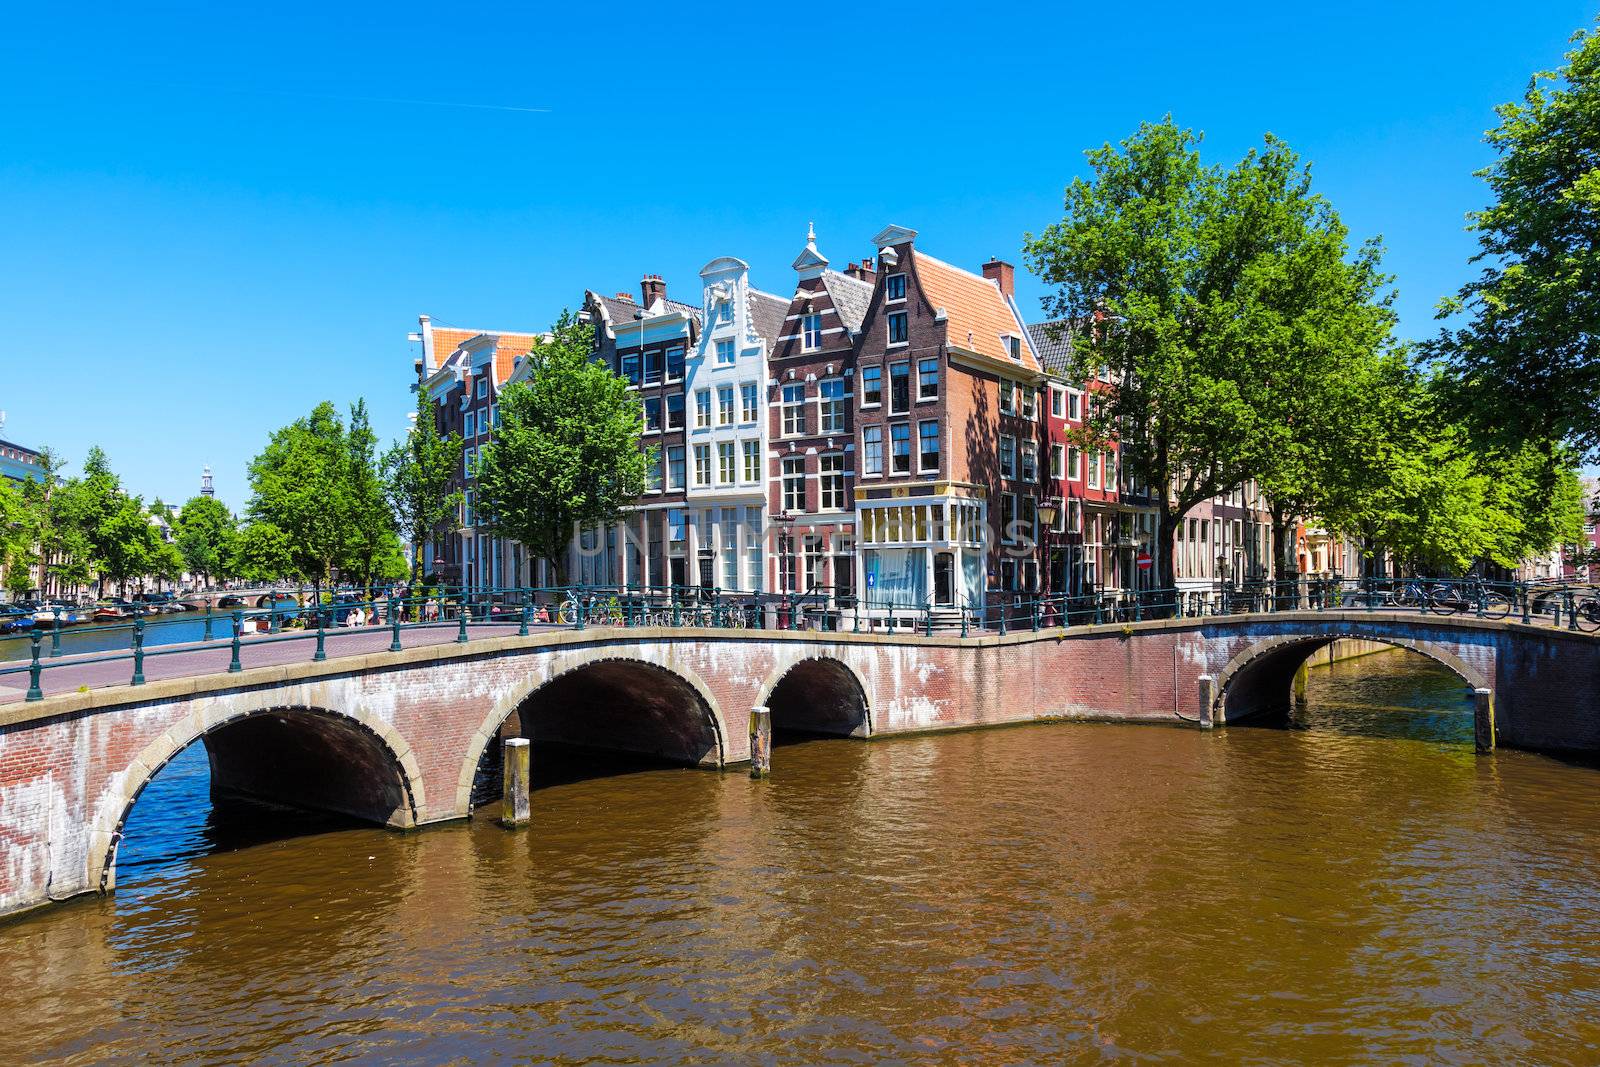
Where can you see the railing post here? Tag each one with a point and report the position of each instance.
(461, 632)
(1177, 604)
(55, 633)
(963, 620)
(274, 623)
(1572, 611)
(234, 666)
(1527, 618)
(322, 634)
(578, 617)
(1483, 599)
(927, 626)
(522, 630)
(207, 636)
(394, 626)
(138, 651)
(855, 612)
(34, 692)
(1138, 607)
(1005, 610)
(1037, 615)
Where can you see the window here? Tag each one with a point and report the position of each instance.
(724, 405)
(752, 461)
(675, 411)
(652, 367)
(1094, 471)
(752, 546)
(702, 464)
(1030, 462)
(1030, 397)
(1058, 402)
(747, 402)
(674, 363)
(677, 526)
(899, 387)
(831, 482)
(794, 410)
(675, 467)
(897, 328)
(726, 472)
(794, 484)
(871, 386)
(724, 352)
(654, 473)
(811, 331)
(494, 415)
(1008, 397)
(900, 448)
(1074, 458)
(1075, 516)
(467, 514)
(483, 387)
(630, 367)
(469, 425)
(1008, 517)
(928, 379)
(1008, 456)
(831, 406)
(469, 460)
(702, 408)
(1072, 406)
(894, 287)
(872, 449)
(928, 446)
(1058, 462)
(652, 413)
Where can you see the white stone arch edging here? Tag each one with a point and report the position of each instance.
(208, 714)
(562, 662)
(790, 656)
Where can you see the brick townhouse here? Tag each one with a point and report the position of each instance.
(462, 372)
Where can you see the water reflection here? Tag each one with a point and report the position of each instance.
(1047, 894)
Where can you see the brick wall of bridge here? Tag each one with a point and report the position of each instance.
(71, 765)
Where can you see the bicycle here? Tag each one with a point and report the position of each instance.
(1586, 612)
(1466, 597)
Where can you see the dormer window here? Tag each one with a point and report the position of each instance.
(1013, 345)
(724, 311)
(894, 287)
(811, 330)
(724, 353)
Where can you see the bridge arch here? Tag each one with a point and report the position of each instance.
(1259, 679)
(304, 755)
(817, 694)
(601, 697)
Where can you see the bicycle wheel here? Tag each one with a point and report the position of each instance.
(1587, 613)
(567, 614)
(1445, 602)
(1496, 605)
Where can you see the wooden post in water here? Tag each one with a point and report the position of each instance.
(516, 766)
(1208, 697)
(1483, 719)
(760, 742)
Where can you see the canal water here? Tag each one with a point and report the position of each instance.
(1355, 888)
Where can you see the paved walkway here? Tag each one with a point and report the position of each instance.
(92, 670)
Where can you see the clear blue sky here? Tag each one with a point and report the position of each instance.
(213, 220)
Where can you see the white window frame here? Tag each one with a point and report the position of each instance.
(889, 281)
(702, 408)
(792, 413)
(888, 328)
(938, 447)
(725, 352)
(867, 452)
(811, 331)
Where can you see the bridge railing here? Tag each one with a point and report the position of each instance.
(339, 617)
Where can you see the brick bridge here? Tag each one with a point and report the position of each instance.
(409, 738)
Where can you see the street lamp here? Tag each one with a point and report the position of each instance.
(1049, 511)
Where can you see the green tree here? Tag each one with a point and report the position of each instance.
(261, 553)
(18, 539)
(419, 472)
(126, 544)
(1527, 362)
(1206, 298)
(371, 533)
(566, 454)
(301, 487)
(205, 532)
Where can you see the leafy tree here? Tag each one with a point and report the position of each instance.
(301, 486)
(371, 535)
(205, 531)
(566, 454)
(1527, 362)
(261, 553)
(1208, 297)
(126, 544)
(418, 479)
(18, 538)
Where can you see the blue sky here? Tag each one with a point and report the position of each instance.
(214, 220)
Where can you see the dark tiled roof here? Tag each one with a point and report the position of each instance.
(621, 311)
(767, 313)
(851, 297)
(1053, 341)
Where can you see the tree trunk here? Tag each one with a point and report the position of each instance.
(1166, 534)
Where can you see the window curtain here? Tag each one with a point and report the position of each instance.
(896, 578)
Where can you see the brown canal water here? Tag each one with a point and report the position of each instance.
(1357, 888)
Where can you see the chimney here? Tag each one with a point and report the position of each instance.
(650, 288)
(1002, 274)
(625, 297)
(862, 271)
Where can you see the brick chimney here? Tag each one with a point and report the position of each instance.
(862, 271)
(1002, 274)
(650, 287)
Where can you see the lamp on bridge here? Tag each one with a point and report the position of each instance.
(1049, 510)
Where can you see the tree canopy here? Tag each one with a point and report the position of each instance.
(419, 479)
(566, 454)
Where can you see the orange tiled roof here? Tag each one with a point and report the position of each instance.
(508, 346)
(975, 306)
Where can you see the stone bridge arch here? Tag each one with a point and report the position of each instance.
(588, 693)
(813, 692)
(1259, 679)
(301, 754)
